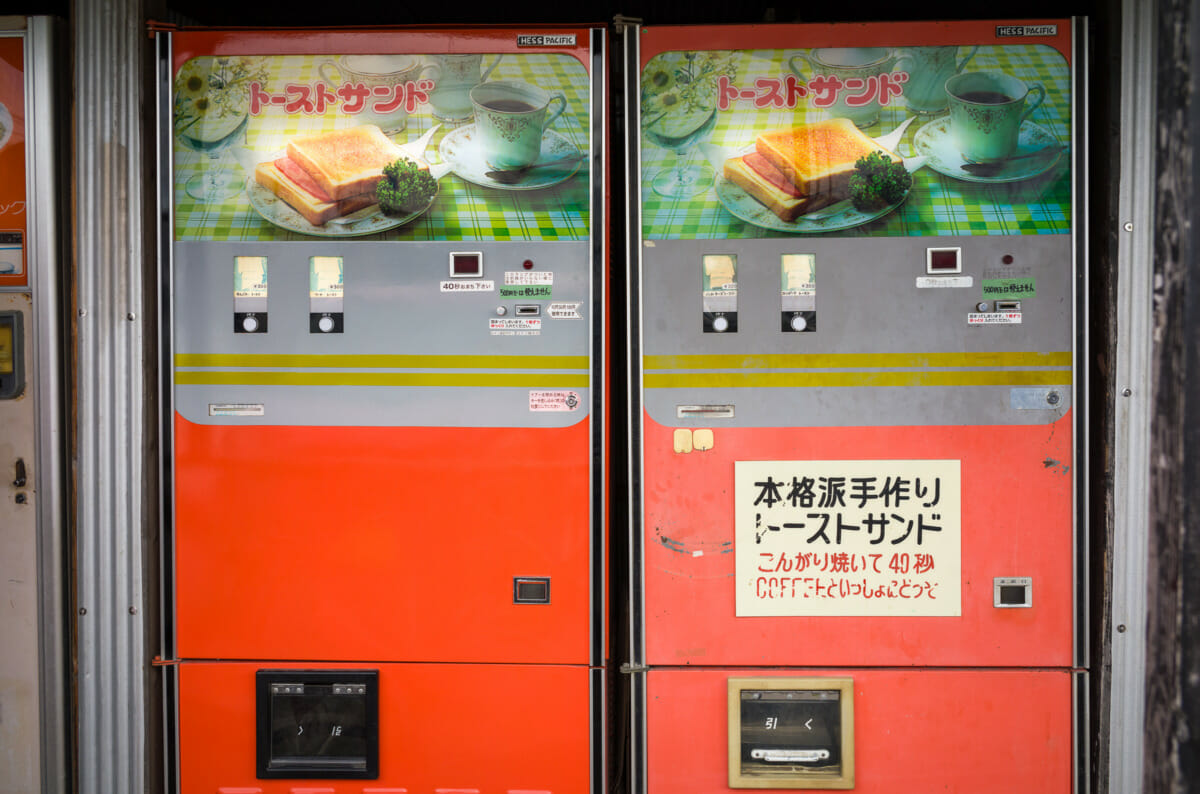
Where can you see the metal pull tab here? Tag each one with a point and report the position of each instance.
(19, 482)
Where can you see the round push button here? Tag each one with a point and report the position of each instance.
(720, 324)
(250, 324)
(325, 324)
(799, 323)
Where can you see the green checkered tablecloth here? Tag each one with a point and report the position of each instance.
(462, 210)
(936, 205)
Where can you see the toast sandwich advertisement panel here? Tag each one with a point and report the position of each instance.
(386, 291)
(857, 398)
(291, 145)
(968, 133)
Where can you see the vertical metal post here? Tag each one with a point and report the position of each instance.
(44, 47)
(1134, 398)
(111, 470)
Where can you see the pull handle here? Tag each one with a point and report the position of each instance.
(19, 482)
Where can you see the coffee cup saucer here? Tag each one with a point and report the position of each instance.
(461, 150)
(934, 141)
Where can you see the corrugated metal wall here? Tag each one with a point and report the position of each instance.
(111, 465)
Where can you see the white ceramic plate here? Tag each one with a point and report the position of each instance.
(369, 220)
(460, 149)
(833, 218)
(934, 142)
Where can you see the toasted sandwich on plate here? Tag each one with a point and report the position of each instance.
(330, 174)
(801, 169)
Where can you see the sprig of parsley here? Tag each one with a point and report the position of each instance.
(404, 188)
(878, 182)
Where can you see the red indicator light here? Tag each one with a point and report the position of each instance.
(527, 264)
(1007, 259)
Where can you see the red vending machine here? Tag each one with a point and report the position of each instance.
(857, 261)
(384, 327)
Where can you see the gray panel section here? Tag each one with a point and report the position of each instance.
(868, 301)
(393, 305)
(109, 39)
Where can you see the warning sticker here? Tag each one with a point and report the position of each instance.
(528, 291)
(553, 401)
(1009, 288)
(994, 318)
(515, 326)
(848, 537)
(513, 277)
(564, 311)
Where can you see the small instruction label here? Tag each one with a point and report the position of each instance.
(541, 401)
(528, 277)
(1009, 288)
(515, 326)
(994, 318)
(564, 311)
(527, 291)
(944, 282)
(236, 409)
(468, 286)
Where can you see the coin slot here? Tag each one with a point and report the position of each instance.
(531, 590)
(528, 310)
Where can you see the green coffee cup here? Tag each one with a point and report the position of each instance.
(986, 113)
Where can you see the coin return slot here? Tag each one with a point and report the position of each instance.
(1012, 592)
(528, 310)
(531, 590)
(704, 411)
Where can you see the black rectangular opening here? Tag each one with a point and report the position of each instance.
(1013, 594)
(318, 724)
